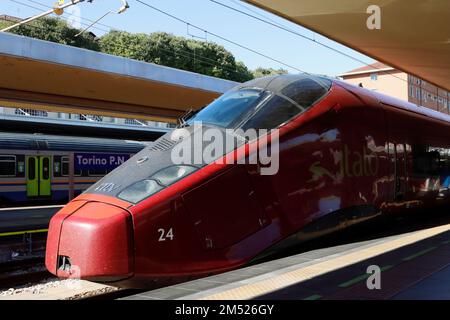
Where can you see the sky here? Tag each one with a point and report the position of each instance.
(278, 44)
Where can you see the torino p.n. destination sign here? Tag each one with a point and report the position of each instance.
(99, 161)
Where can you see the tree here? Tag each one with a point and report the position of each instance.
(178, 52)
(162, 48)
(55, 30)
(242, 70)
(129, 45)
(263, 72)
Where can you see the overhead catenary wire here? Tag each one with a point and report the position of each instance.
(219, 36)
(34, 26)
(121, 10)
(265, 20)
(240, 4)
(279, 26)
(194, 26)
(46, 6)
(199, 28)
(206, 32)
(186, 54)
(86, 19)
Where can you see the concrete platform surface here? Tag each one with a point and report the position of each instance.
(414, 265)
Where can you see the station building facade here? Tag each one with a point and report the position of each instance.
(387, 80)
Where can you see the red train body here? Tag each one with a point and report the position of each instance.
(350, 156)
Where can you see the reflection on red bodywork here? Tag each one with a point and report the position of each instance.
(340, 156)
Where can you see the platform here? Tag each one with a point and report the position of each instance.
(89, 82)
(26, 219)
(414, 265)
(80, 128)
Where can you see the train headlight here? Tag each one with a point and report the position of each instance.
(161, 179)
(140, 190)
(172, 174)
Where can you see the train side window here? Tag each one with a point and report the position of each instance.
(274, 113)
(46, 169)
(57, 166)
(20, 166)
(306, 91)
(31, 168)
(444, 164)
(426, 162)
(65, 168)
(447, 162)
(7, 166)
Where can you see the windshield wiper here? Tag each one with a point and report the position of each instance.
(182, 121)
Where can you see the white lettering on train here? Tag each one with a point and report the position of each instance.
(99, 160)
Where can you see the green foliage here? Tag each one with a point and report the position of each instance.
(55, 30)
(162, 48)
(129, 45)
(166, 49)
(263, 72)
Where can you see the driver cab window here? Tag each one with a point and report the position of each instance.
(273, 114)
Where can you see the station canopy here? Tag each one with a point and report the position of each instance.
(48, 76)
(414, 36)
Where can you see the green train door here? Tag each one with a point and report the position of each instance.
(38, 176)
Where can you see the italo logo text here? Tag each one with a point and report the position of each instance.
(358, 163)
(352, 163)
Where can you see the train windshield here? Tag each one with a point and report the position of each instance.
(230, 109)
(264, 103)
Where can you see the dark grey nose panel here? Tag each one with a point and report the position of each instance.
(159, 155)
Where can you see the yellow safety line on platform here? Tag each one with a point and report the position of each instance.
(22, 232)
(30, 208)
(275, 282)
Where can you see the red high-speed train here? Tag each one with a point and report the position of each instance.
(346, 154)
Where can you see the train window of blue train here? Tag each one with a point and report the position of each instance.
(7, 166)
(20, 167)
(57, 167)
(46, 168)
(65, 168)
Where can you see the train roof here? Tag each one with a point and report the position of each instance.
(278, 82)
(395, 102)
(28, 141)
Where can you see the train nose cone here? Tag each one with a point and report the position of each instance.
(91, 240)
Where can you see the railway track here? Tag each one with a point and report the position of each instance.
(17, 273)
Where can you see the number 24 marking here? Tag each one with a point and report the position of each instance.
(165, 235)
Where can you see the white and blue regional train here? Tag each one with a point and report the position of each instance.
(36, 168)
